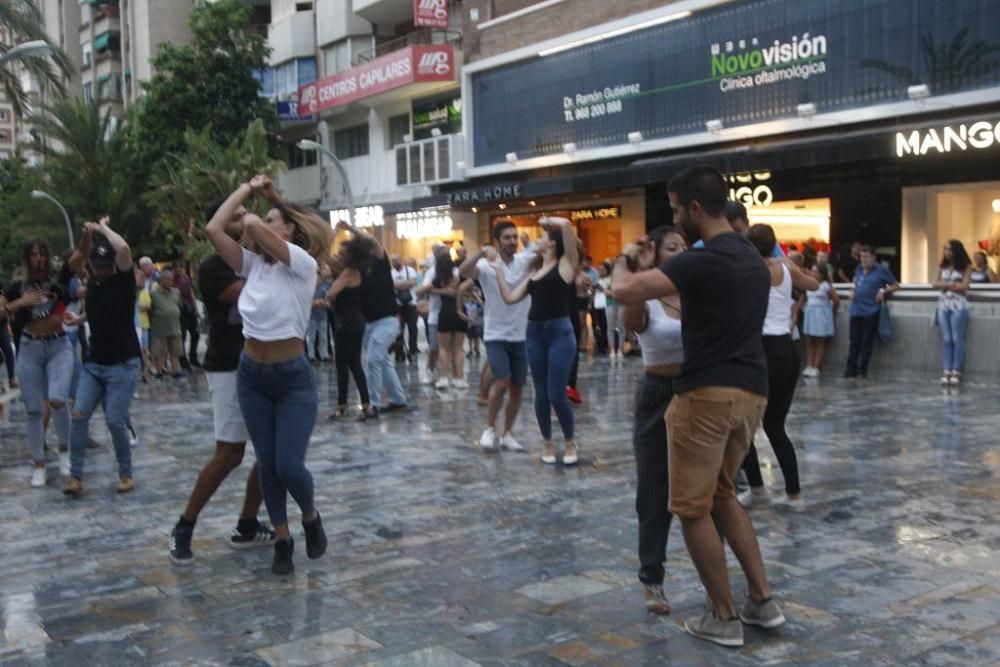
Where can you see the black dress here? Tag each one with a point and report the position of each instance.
(448, 319)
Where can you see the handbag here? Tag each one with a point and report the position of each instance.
(884, 324)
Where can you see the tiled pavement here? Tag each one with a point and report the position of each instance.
(443, 555)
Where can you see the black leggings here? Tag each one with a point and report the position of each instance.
(782, 378)
(347, 348)
(649, 440)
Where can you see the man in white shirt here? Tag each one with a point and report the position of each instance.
(404, 280)
(504, 330)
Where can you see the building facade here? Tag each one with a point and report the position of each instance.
(860, 120)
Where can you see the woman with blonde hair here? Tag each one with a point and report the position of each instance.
(275, 382)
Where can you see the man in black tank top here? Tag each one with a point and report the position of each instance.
(381, 327)
(721, 393)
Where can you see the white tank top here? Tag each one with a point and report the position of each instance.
(661, 341)
(778, 321)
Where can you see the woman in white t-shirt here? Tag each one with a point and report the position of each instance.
(275, 383)
(953, 309)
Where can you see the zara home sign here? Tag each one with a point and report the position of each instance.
(967, 136)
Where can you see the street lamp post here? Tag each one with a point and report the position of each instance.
(38, 194)
(310, 145)
(37, 47)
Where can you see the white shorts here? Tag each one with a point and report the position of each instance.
(229, 426)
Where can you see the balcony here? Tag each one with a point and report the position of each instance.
(386, 12)
(415, 38)
(292, 37)
(429, 161)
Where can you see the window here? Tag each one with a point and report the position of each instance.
(4, 116)
(88, 92)
(4, 136)
(351, 141)
(87, 54)
(399, 127)
(298, 158)
(109, 87)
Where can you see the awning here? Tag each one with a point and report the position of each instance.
(101, 41)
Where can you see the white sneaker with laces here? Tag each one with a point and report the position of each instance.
(507, 441)
(64, 464)
(488, 440)
(442, 383)
(38, 477)
(460, 384)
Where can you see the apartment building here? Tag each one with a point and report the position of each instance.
(376, 81)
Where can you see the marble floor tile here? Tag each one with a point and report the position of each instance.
(442, 554)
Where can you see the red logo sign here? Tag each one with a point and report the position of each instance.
(414, 64)
(430, 13)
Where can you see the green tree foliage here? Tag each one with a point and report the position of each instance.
(23, 218)
(197, 176)
(91, 169)
(207, 82)
(21, 21)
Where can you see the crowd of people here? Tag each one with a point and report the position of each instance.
(712, 304)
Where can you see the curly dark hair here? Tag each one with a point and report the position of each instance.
(960, 260)
(357, 253)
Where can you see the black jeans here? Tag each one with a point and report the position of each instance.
(7, 350)
(347, 350)
(649, 440)
(408, 319)
(782, 377)
(863, 331)
(599, 319)
(189, 329)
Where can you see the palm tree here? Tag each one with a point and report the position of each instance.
(89, 164)
(22, 21)
(948, 64)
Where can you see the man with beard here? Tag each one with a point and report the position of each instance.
(721, 393)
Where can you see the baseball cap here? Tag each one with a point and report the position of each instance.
(102, 255)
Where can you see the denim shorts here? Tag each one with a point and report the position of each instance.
(508, 359)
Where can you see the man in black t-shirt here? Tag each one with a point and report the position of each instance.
(111, 371)
(720, 394)
(220, 289)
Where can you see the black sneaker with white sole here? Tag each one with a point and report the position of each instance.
(260, 535)
(180, 545)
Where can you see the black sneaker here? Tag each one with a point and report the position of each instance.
(261, 536)
(180, 546)
(315, 537)
(395, 407)
(282, 563)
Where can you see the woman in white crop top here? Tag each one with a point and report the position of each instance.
(658, 324)
(952, 315)
(782, 362)
(275, 383)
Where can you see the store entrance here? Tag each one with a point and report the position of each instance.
(600, 230)
(802, 225)
(933, 215)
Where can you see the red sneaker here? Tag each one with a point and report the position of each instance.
(574, 396)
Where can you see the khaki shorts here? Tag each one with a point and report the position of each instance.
(709, 433)
(229, 426)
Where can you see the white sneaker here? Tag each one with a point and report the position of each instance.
(442, 383)
(945, 379)
(38, 477)
(488, 440)
(956, 379)
(459, 384)
(64, 464)
(429, 379)
(507, 441)
(754, 498)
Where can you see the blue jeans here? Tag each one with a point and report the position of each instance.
(279, 404)
(44, 369)
(74, 339)
(112, 387)
(953, 324)
(379, 367)
(551, 347)
(318, 327)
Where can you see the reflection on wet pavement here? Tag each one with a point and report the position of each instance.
(443, 555)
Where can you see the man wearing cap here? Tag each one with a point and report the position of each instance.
(111, 372)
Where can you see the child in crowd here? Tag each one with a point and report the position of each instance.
(474, 311)
(819, 327)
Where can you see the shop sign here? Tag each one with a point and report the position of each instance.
(748, 190)
(482, 195)
(288, 112)
(601, 213)
(413, 64)
(430, 13)
(444, 114)
(364, 216)
(423, 224)
(739, 63)
(967, 136)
